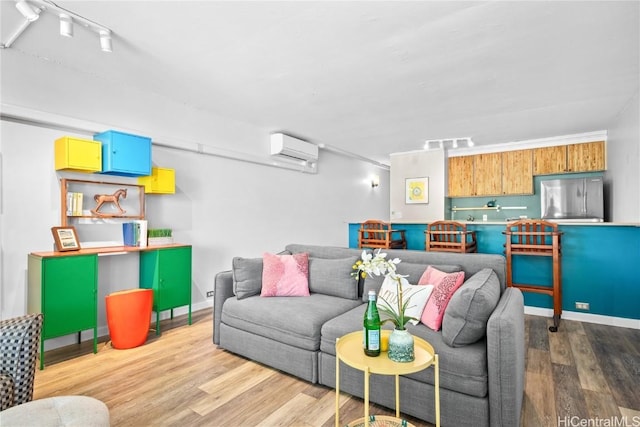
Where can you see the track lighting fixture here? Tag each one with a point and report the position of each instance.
(67, 20)
(29, 12)
(105, 40)
(66, 25)
(448, 143)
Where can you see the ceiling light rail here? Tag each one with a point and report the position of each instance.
(32, 9)
(448, 143)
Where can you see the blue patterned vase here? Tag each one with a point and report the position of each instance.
(401, 346)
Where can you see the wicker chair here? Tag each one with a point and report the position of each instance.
(19, 339)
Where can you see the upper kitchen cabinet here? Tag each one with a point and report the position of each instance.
(460, 176)
(517, 172)
(487, 174)
(583, 157)
(77, 155)
(586, 157)
(125, 154)
(549, 160)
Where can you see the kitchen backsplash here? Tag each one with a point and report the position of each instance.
(530, 203)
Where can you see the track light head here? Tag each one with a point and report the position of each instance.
(66, 25)
(105, 40)
(29, 12)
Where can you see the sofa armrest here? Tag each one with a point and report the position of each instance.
(222, 289)
(505, 358)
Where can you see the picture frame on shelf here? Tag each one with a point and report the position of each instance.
(416, 190)
(66, 239)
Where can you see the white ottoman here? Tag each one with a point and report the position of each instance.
(78, 411)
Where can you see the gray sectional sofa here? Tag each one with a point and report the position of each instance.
(481, 382)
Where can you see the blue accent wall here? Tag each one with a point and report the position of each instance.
(600, 265)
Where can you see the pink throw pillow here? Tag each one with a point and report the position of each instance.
(444, 285)
(285, 275)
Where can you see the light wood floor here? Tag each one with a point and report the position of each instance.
(182, 379)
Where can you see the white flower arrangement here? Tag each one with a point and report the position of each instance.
(378, 265)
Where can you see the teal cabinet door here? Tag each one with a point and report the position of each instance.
(168, 272)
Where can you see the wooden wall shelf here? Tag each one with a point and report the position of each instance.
(487, 208)
(133, 204)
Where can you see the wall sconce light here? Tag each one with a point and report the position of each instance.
(375, 181)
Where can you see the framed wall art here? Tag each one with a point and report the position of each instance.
(416, 190)
(66, 238)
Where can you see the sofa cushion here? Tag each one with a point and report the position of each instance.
(293, 321)
(416, 296)
(247, 276)
(445, 284)
(285, 275)
(465, 318)
(462, 369)
(333, 277)
(414, 271)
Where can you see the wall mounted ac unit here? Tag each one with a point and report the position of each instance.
(288, 147)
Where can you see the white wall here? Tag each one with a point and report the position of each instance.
(622, 179)
(223, 207)
(420, 164)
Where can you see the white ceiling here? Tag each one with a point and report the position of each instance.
(367, 77)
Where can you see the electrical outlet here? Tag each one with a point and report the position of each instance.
(582, 306)
(210, 294)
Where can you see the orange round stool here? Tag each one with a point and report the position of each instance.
(129, 317)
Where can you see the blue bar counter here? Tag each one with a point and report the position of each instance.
(600, 264)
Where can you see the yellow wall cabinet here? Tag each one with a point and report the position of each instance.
(583, 157)
(78, 155)
(161, 181)
(517, 172)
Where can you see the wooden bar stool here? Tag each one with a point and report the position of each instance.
(379, 234)
(450, 236)
(536, 238)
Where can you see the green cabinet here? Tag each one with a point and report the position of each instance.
(168, 272)
(64, 289)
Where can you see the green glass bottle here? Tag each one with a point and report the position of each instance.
(371, 331)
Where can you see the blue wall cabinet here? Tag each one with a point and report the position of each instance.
(125, 154)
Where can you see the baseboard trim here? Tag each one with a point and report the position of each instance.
(621, 322)
(103, 330)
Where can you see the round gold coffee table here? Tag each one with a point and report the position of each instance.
(349, 350)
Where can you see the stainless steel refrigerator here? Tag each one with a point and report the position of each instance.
(572, 199)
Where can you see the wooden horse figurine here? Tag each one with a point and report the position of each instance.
(110, 198)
